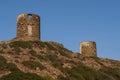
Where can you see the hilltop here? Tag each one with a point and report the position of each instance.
(39, 60)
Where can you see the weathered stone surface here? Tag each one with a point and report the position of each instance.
(88, 48)
(28, 27)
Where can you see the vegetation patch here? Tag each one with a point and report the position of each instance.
(7, 66)
(2, 60)
(112, 72)
(11, 67)
(18, 75)
(63, 53)
(17, 50)
(40, 44)
(64, 49)
(22, 44)
(54, 60)
(82, 72)
(33, 65)
(33, 53)
(2, 63)
(50, 47)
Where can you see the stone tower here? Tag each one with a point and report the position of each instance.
(88, 48)
(28, 27)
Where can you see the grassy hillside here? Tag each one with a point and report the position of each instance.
(37, 60)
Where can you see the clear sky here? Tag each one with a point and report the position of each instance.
(69, 22)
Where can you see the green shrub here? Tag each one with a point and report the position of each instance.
(41, 57)
(112, 72)
(42, 52)
(64, 49)
(82, 72)
(63, 53)
(58, 63)
(60, 77)
(11, 67)
(32, 52)
(22, 44)
(18, 75)
(7, 66)
(50, 47)
(33, 65)
(54, 60)
(40, 44)
(16, 50)
(51, 57)
(2, 60)
(2, 63)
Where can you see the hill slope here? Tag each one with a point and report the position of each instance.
(37, 60)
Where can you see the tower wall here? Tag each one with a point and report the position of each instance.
(88, 48)
(28, 27)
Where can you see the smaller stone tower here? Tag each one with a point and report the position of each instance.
(28, 27)
(88, 48)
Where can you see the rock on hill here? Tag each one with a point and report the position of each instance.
(37, 60)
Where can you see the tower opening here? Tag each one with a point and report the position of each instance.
(29, 16)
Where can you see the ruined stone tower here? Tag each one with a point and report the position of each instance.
(88, 48)
(28, 27)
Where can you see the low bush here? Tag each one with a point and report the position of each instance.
(22, 44)
(2, 60)
(11, 67)
(18, 75)
(33, 53)
(82, 72)
(2, 63)
(33, 65)
(112, 72)
(49, 46)
(64, 53)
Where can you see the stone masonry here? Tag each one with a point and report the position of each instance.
(28, 27)
(88, 48)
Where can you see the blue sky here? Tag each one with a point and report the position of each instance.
(69, 22)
